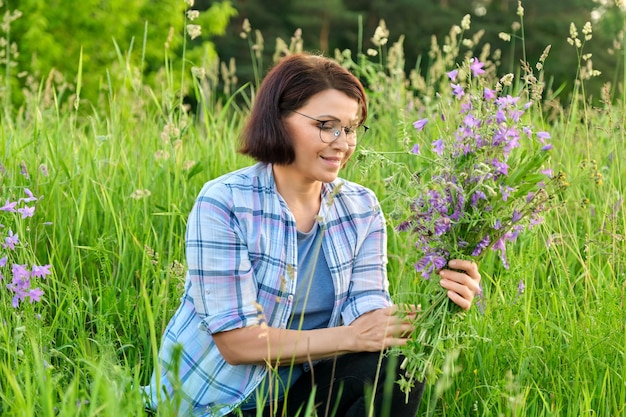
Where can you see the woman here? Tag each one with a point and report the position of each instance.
(286, 292)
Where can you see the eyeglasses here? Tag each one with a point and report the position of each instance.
(330, 130)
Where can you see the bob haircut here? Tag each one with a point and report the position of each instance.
(287, 87)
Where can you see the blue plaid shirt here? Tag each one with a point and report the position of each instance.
(241, 245)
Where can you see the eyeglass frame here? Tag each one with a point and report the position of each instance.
(345, 129)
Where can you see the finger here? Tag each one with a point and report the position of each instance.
(469, 267)
(461, 289)
(401, 328)
(457, 299)
(462, 279)
(393, 341)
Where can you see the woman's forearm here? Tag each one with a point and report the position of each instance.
(262, 344)
(371, 332)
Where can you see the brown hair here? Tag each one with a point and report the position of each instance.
(287, 87)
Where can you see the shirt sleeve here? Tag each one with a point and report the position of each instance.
(221, 278)
(369, 285)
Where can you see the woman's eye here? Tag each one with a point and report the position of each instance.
(328, 126)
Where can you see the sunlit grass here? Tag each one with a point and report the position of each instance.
(118, 179)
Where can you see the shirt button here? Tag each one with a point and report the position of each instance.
(290, 298)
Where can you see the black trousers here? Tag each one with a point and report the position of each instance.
(344, 387)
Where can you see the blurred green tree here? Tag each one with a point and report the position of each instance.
(52, 35)
(335, 24)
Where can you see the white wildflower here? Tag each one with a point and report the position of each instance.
(504, 36)
(465, 23)
(587, 31)
(194, 31)
(381, 34)
(198, 72)
(507, 79)
(192, 14)
(139, 194)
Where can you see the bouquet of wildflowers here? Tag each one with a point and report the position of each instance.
(482, 182)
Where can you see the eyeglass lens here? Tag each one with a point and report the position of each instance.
(331, 130)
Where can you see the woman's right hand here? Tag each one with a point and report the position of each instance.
(383, 328)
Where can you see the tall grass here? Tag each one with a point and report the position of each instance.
(118, 177)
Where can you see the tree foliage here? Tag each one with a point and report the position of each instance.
(51, 35)
(349, 24)
(54, 35)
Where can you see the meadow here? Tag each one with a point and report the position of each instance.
(112, 181)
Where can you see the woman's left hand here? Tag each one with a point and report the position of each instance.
(462, 282)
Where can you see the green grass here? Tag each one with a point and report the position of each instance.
(117, 251)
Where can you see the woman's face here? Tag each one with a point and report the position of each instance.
(316, 160)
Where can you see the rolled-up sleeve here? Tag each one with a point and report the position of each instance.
(356, 249)
(369, 287)
(220, 274)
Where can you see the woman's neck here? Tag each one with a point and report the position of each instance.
(302, 197)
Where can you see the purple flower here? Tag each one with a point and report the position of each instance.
(452, 75)
(416, 149)
(477, 196)
(548, 172)
(507, 101)
(9, 206)
(481, 246)
(515, 115)
(502, 168)
(520, 287)
(547, 147)
(535, 220)
(29, 196)
(500, 116)
(21, 275)
(466, 107)
(517, 216)
(505, 190)
(40, 271)
(35, 294)
(500, 245)
(3, 261)
(543, 136)
(404, 226)
(477, 67)
(419, 125)
(489, 94)
(527, 131)
(480, 303)
(442, 225)
(457, 90)
(438, 146)
(11, 240)
(471, 121)
(26, 211)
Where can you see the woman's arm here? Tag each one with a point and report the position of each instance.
(371, 332)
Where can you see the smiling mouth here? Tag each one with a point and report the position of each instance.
(331, 159)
